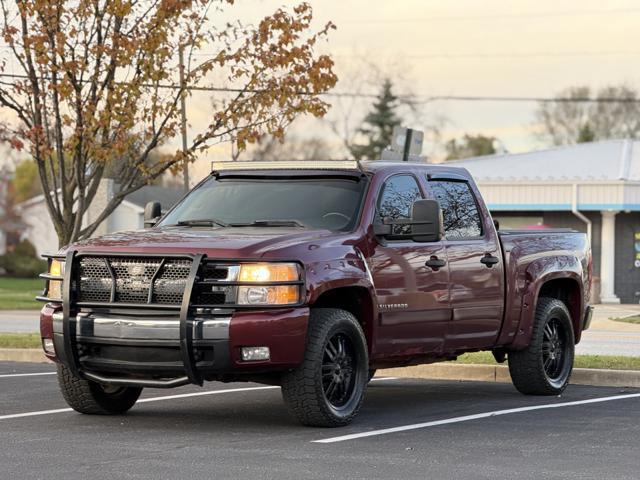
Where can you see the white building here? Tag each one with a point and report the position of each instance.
(128, 216)
(591, 187)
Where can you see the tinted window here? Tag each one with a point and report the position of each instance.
(396, 200)
(459, 209)
(323, 202)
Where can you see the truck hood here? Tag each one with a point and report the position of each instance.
(243, 242)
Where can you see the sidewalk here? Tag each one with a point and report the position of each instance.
(606, 337)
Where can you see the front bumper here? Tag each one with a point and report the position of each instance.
(164, 320)
(145, 350)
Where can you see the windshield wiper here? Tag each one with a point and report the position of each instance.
(202, 222)
(270, 223)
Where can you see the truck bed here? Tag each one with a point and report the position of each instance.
(533, 258)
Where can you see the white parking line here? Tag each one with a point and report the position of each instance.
(143, 400)
(26, 374)
(468, 418)
(157, 399)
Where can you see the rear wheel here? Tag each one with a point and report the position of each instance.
(94, 398)
(327, 389)
(545, 366)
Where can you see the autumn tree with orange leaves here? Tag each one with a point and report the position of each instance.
(97, 84)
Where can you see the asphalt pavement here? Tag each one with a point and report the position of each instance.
(407, 429)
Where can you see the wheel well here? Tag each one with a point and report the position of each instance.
(567, 291)
(355, 300)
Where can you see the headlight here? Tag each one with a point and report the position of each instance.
(56, 269)
(269, 272)
(261, 273)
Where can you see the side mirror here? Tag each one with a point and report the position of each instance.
(426, 221)
(152, 213)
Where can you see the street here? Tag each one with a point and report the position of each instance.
(19, 321)
(605, 337)
(437, 430)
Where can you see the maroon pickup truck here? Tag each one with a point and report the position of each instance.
(311, 278)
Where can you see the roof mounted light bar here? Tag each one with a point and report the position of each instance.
(287, 165)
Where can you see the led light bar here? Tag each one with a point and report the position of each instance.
(287, 165)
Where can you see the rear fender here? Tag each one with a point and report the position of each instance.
(538, 274)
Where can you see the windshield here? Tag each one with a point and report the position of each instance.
(319, 203)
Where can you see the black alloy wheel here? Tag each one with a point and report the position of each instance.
(544, 367)
(339, 364)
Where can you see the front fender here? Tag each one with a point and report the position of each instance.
(322, 276)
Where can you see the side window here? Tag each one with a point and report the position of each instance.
(459, 209)
(396, 199)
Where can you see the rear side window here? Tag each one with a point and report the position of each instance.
(396, 199)
(459, 209)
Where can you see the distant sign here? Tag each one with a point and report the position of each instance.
(391, 156)
(399, 140)
(636, 245)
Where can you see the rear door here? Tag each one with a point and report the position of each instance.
(475, 265)
(413, 297)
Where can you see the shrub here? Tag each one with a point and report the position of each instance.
(23, 261)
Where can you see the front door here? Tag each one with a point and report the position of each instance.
(475, 267)
(413, 298)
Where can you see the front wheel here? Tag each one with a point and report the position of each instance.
(545, 366)
(94, 398)
(327, 389)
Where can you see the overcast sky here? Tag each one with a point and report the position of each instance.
(480, 48)
(473, 47)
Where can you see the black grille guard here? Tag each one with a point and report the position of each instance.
(186, 330)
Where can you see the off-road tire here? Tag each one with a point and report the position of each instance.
(302, 388)
(92, 398)
(527, 367)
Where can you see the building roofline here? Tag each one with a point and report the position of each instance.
(544, 150)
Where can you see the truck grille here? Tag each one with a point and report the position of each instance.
(132, 280)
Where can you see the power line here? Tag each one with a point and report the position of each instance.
(500, 16)
(418, 99)
(465, 55)
(482, 98)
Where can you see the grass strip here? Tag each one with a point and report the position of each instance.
(20, 293)
(603, 362)
(20, 340)
(632, 319)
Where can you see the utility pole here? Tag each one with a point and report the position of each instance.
(183, 120)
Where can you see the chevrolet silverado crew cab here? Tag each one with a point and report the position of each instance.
(311, 276)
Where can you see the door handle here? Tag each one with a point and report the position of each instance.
(435, 263)
(489, 260)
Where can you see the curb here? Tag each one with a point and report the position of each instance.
(500, 374)
(29, 355)
(435, 371)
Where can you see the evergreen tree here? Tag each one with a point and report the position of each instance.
(378, 125)
(586, 134)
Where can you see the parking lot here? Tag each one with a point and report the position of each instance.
(406, 429)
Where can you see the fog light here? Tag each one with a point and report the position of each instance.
(47, 344)
(255, 353)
